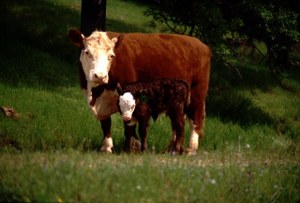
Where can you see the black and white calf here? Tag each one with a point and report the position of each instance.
(140, 101)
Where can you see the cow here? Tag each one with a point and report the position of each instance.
(139, 101)
(108, 58)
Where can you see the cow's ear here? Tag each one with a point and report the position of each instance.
(119, 89)
(76, 37)
(117, 40)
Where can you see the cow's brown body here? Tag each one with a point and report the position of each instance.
(146, 57)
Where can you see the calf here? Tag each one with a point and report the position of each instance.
(140, 101)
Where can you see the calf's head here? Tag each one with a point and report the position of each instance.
(97, 53)
(127, 105)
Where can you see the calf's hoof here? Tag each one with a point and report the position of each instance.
(135, 145)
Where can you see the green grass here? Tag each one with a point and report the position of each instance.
(90, 177)
(250, 153)
(127, 16)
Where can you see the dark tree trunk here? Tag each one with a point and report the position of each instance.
(93, 15)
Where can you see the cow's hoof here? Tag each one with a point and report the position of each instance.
(107, 145)
(106, 150)
(191, 152)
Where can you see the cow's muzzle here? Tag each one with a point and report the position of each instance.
(100, 78)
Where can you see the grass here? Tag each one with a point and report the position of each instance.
(89, 177)
(250, 153)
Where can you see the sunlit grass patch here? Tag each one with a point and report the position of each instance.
(120, 21)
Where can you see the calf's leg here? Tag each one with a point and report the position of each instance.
(132, 142)
(172, 141)
(177, 121)
(143, 131)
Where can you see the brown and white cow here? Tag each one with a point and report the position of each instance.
(108, 58)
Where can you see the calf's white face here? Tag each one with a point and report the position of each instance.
(127, 106)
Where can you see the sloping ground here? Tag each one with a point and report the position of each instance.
(250, 153)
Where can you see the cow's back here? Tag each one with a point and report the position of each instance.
(145, 57)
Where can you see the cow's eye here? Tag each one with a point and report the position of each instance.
(86, 52)
(111, 56)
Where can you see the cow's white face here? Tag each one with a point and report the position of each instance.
(97, 53)
(96, 57)
(127, 106)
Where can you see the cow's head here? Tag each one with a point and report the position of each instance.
(97, 53)
(127, 105)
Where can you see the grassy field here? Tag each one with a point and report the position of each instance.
(251, 151)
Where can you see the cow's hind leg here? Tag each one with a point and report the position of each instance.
(197, 121)
(107, 145)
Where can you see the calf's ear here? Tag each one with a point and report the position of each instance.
(119, 89)
(76, 37)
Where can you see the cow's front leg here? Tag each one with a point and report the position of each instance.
(107, 145)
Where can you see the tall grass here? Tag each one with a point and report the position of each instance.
(49, 154)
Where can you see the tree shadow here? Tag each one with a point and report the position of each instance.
(39, 24)
(36, 48)
(226, 101)
(237, 108)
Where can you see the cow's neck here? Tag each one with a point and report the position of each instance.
(97, 91)
(103, 100)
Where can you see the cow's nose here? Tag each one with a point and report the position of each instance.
(100, 76)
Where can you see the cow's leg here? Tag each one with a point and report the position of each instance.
(107, 145)
(197, 121)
